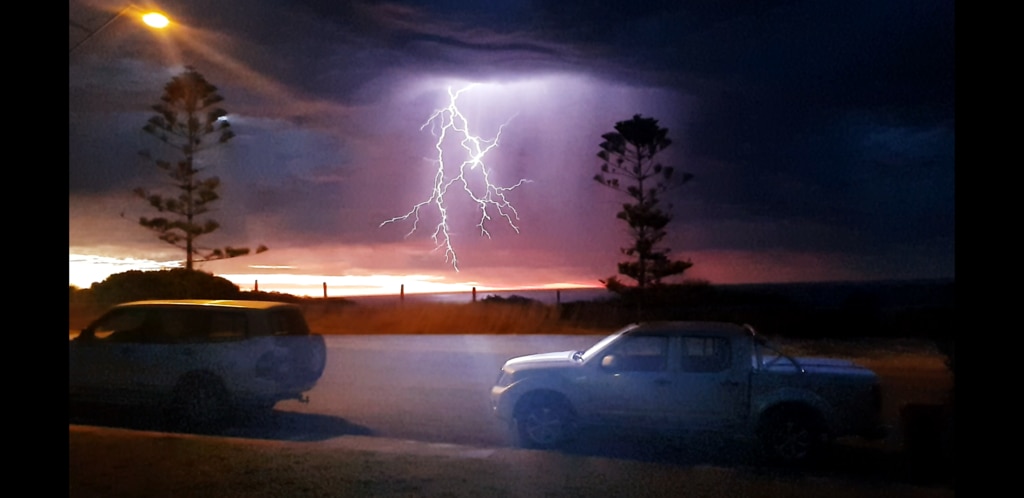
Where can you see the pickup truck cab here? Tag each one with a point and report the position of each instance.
(689, 376)
(199, 361)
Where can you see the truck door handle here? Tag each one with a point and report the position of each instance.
(730, 383)
(662, 382)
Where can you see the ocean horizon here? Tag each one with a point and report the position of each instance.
(544, 296)
(919, 292)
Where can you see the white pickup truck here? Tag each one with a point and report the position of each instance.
(200, 361)
(690, 376)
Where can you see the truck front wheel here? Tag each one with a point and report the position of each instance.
(792, 436)
(542, 422)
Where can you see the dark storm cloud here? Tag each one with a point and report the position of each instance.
(841, 112)
(838, 113)
(826, 125)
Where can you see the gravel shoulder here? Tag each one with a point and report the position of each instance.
(113, 463)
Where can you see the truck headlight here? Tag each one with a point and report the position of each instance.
(504, 379)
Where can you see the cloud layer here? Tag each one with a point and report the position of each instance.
(820, 134)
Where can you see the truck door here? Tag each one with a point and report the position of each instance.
(709, 383)
(628, 383)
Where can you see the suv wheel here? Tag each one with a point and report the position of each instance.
(543, 422)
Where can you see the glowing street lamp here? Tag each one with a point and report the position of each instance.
(150, 18)
(155, 20)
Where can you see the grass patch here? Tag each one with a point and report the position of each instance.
(442, 318)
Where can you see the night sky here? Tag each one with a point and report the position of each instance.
(820, 135)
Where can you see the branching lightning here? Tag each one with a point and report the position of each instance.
(443, 123)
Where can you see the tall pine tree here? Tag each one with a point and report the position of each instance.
(630, 166)
(188, 120)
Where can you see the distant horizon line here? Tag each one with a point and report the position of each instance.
(489, 290)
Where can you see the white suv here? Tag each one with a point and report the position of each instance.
(200, 360)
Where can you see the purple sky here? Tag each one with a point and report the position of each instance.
(820, 135)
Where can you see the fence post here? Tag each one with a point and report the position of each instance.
(256, 288)
(401, 294)
(474, 294)
(325, 290)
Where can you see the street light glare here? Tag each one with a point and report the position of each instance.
(156, 20)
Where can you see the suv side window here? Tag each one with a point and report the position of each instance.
(287, 322)
(124, 325)
(199, 325)
(226, 325)
(182, 325)
(705, 354)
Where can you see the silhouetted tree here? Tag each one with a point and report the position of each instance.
(629, 154)
(188, 120)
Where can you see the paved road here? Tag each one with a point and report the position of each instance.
(431, 388)
(435, 389)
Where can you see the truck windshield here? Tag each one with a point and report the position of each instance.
(767, 354)
(603, 343)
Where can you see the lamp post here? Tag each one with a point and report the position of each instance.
(153, 19)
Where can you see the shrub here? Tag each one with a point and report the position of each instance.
(177, 283)
(270, 296)
(513, 299)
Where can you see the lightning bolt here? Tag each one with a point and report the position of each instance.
(450, 122)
